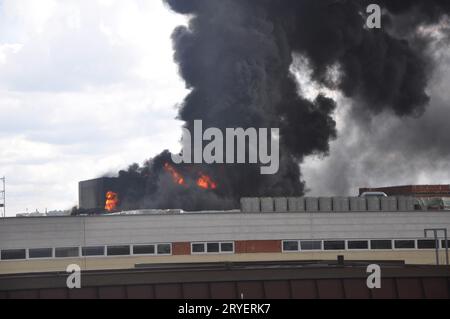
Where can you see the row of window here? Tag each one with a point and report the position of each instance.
(125, 250)
(212, 248)
(309, 245)
(216, 248)
(92, 251)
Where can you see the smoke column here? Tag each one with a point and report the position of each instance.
(236, 57)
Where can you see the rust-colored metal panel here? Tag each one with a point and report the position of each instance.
(118, 292)
(356, 289)
(277, 289)
(223, 290)
(250, 290)
(388, 290)
(304, 289)
(435, 288)
(196, 291)
(169, 291)
(235, 281)
(140, 292)
(409, 288)
(330, 289)
(24, 294)
(257, 246)
(83, 293)
(61, 293)
(180, 249)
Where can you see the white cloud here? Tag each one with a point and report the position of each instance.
(86, 87)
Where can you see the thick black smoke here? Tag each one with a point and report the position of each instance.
(236, 56)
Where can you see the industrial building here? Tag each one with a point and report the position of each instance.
(412, 190)
(92, 193)
(286, 232)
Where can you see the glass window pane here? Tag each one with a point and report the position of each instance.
(443, 244)
(40, 253)
(66, 252)
(212, 247)
(93, 251)
(290, 245)
(334, 245)
(198, 248)
(118, 250)
(426, 244)
(144, 249)
(13, 254)
(358, 244)
(405, 244)
(226, 247)
(164, 249)
(311, 245)
(381, 244)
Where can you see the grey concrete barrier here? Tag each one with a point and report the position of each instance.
(281, 204)
(325, 204)
(267, 205)
(358, 204)
(312, 204)
(389, 204)
(296, 204)
(341, 204)
(250, 205)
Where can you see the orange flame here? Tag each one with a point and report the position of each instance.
(206, 182)
(112, 200)
(177, 178)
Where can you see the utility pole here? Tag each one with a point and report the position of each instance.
(3, 195)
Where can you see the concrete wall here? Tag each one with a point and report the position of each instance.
(111, 263)
(327, 204)
(51, 232)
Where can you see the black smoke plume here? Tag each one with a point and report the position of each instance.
(236, 57)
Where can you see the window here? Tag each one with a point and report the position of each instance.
(118, 250)
(40, 253)
(198, 248)
(334, 245)
(404, 244)
(67, 252)
(443, 244)
(144, 250)
(93, 251)
(290, 245)
(311, 245)
(380, 244)
(426, 244)
(212, 247)
(226, 247)
(164, 249)
(13, 254)
(358, 244)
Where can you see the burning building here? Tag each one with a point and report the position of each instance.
(238, 58)
(98, 195)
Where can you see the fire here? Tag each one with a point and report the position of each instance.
(177, 178)
(112, 200)
(206, 182)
